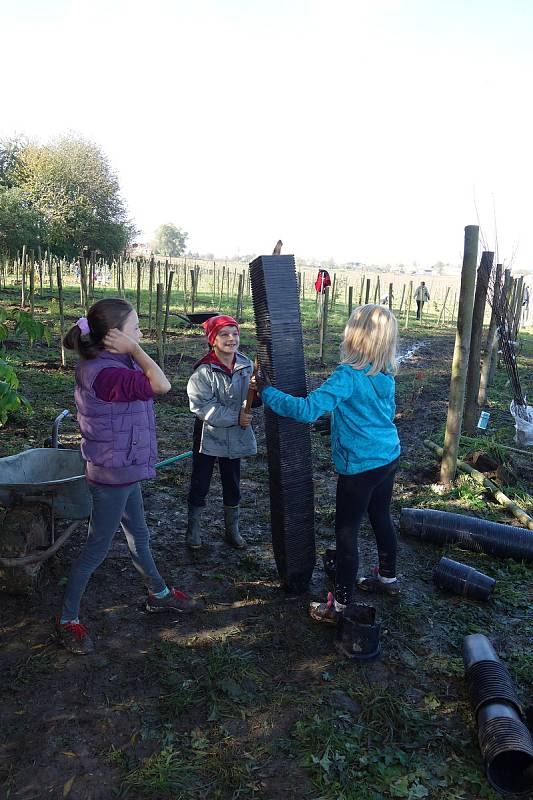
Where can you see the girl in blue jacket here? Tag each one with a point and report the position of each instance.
(365, 447)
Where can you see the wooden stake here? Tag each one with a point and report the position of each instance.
(443, 306)
(61, 313)
(159, 325)
(408, 305)
(150, 292)
(23, 283)
(401, 301)
(323, 325)
(167, 305)
(350, 301)
(139, 280)
(460, 356)
(490, 353)
(471, 408)
(32, 282)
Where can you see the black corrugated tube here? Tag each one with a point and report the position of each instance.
(504, 740)
(472, 533)
(462, 579)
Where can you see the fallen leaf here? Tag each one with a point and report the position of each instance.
(67, 787)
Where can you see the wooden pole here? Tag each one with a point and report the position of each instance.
(32, 282)
(333, 291)
(460, 356)
(323, 325)
(377, 291)
(150, 292)
(471, 408)
(453, 307)
(84, 294)
(367, 293)
(443, 306)
(408, 304)
(23, 281)
(238, 310)
(518, 306)
(401, 301)
(167, 304)
(490, 354)
(193, 288)
(40, 268)
(61, 312)
(160, 290)
(390, 296)
(139, 277)
(361, 288)
(350, 301)
(50, 272)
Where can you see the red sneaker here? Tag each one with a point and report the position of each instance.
(174, 601)
(74, 637)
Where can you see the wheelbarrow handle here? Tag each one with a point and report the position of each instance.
(173, 460)
(55, 428)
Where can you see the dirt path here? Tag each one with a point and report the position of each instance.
(218, 700)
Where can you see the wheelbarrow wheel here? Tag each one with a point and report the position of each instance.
(23, 529)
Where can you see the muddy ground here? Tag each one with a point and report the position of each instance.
(247, 699)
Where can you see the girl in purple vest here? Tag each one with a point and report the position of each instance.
(115, 385)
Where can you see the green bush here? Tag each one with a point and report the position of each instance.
(10, 399)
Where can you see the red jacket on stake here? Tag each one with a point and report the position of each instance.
(323, 280)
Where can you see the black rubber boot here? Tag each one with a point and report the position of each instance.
(231, 524)
(193, 537)
(358, 633)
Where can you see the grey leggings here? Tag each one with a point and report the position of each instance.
(112, 505)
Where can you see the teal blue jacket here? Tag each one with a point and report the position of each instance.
(362, 408)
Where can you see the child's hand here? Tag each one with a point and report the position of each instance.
(117, 342)
(261, 381)
(244, 418)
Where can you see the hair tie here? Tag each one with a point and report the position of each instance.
(83, 325)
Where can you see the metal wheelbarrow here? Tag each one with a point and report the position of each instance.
(37, 487)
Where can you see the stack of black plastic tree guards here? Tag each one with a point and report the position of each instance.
(480, 535)
(505, 741)
(281, 355)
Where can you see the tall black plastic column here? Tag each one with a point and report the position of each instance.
(280, 350)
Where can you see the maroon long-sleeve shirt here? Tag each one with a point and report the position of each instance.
(115, 385)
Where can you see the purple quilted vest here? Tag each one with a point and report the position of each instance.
(118, 439)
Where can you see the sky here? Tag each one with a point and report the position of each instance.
(359, 130)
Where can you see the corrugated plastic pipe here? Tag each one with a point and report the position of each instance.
(472, 533)
(504, 740)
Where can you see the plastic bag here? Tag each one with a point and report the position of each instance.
(523, 424)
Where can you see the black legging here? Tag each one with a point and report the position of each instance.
(202, 471)
(356, 494)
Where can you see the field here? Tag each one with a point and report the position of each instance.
(248, 699)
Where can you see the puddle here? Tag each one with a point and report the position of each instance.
(410, 352)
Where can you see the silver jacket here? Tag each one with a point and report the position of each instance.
(216, 399)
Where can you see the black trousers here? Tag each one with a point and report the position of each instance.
(356, 495)
(202, 472)
(419, 307)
